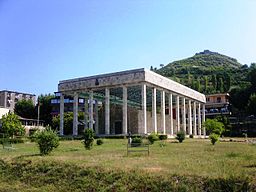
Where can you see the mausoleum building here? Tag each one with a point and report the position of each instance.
(137, 101)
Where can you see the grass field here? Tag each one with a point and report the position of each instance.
(193, 158)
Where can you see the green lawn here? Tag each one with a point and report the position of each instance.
(193, 157)
(194, 165)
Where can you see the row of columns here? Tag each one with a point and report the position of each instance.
(192, 128)
(163, 121)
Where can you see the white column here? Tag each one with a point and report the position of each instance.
(144, 107)
(61, 114)
(154, 116)
(194, 118)
(204, 132)
(85, 113)
(75, 113)
(96, 118)
(178, 112)
(199, 120)
(91, 110)
(189, 118)
(184, 115)
(170, 113)
(163, 110)
(107, 114)
(124, 110)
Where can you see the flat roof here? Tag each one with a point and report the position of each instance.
(17, 92)
(129, 78)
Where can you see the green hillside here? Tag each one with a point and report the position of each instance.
(207, 72)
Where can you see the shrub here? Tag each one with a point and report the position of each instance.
(32, 135)
(153, 137)
(88, 138)
(214, 138)
(135, 135)
(191, 136)
(32, 131)
(99, 141)
(137, 140)
(180, 136)
(214, 126)
(47, 140)
(11, 125)
(162, 137)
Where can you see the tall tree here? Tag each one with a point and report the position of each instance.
(68, 122)
(190, 79)
(198, 84)
(252, 104)
(228, 82)
(221, 85)
(214, 82)
(239, 98)
(252, 77)
(205, 84)
(25, 108)
(44, 102)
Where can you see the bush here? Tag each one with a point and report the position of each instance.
(99, 141)
(47, 140)
(153, 137)
(11, 125)
(88, 138)
(135, 135)
(32, 131)
(191, 136)
(162, 137)
(214, 138)
(180, 136)
(214, 126)
(137, 140)
(32, 135)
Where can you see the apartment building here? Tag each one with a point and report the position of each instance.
(217, 104)
(8, 99)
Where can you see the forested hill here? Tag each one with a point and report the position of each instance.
(207, 72)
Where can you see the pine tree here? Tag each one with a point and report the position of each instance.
(205, 84)
(214, 82)
(228, 82)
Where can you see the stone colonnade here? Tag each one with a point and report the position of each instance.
(190, 113)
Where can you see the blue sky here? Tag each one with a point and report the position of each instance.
(45, 41)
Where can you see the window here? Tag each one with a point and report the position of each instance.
(54, 101)
(57, 94)
(207, 99)
(218, 99)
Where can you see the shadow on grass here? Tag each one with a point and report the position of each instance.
(250, 166)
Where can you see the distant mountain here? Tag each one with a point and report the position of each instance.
(207, 72)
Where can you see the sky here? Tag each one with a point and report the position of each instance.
(45, 41)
